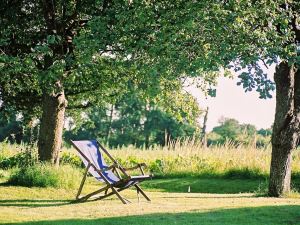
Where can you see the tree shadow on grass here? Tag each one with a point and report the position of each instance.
(206, 197)
(5, 184)
(266, 215)
(34, 203)
(206, 185)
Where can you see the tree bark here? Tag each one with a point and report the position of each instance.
(52, 122)
(285, 135)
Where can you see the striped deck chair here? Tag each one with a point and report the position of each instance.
(90, 151)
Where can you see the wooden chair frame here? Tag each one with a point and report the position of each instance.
(115, 187)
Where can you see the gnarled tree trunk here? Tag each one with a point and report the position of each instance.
(286, 127)
(52, 123)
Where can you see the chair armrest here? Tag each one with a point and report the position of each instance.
(138, 166)
(109, 168)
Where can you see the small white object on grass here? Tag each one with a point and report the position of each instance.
(189, 189)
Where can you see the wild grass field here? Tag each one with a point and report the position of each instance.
(192, 185)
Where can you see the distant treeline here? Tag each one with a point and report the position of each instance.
(230, 130)
(132, 121)
(136, 119)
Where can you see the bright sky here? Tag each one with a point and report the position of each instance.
(232, 102)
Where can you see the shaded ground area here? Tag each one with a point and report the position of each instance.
(206, 185)
(287, 214)
(33, 203)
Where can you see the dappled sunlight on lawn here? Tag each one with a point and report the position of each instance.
(17, 207)
(285, 214)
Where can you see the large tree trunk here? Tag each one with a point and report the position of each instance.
(286, 127)
(52, 122)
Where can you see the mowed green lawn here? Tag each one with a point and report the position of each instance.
(211, 201)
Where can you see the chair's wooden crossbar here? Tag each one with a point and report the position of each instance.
(86, 197)
(108, 186)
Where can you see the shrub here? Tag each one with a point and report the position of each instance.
(46, 175)
(21, 159)
(6, 163)
(17, 156)
(70, 158)
(157, 166)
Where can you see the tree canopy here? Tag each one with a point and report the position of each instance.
(104, 44)
(139, 120)
(84, 52)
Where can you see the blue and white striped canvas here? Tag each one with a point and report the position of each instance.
(91, 150)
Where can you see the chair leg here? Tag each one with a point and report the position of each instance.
(86, 197)
(127, 200)
(142, 192)
(118, 194)
(109, 194)
(104, 196)
(82, 182)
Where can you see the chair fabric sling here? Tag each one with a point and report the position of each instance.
(90, 152)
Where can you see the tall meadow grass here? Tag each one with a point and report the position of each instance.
(189, 157)
(186, 158)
